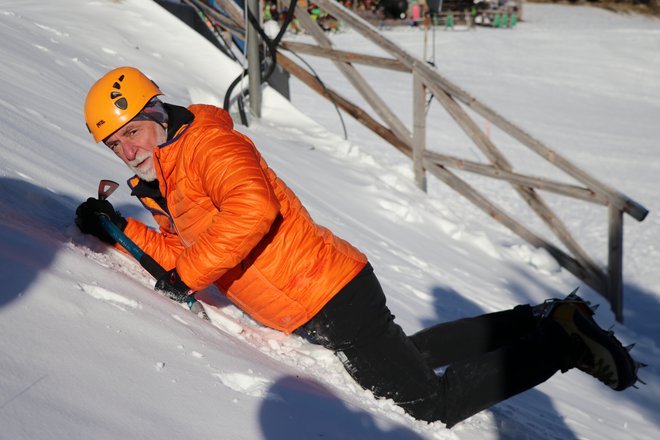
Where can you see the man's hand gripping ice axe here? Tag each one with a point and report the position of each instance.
(107, 187)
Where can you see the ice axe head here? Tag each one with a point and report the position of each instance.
(106, 187)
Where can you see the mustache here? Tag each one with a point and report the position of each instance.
(139, 159)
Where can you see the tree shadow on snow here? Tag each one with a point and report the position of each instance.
(529, 415)
(301, 409)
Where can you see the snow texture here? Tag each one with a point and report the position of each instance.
(88, 350)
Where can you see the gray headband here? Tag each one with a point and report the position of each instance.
(153, 111)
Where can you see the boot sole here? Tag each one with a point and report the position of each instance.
(603, 345)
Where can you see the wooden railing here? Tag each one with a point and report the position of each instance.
(607, 281)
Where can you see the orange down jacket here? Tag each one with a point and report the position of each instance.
(233, 222)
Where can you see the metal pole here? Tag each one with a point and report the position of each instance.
(254, 67)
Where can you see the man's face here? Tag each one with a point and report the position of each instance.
(134, 144)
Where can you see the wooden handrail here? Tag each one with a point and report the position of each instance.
(433, 79)
(345, 56)
(564, 189)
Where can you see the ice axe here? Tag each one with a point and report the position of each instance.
(107, 187)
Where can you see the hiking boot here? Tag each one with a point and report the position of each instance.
(599, 353)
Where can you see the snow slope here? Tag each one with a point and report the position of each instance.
(88, 350)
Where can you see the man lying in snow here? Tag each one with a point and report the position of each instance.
(226, 219)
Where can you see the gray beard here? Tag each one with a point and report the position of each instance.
(148, 176)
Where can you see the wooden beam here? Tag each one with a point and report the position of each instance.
(356, 112)
(593, 280)
(227, 23)
(345, 56)
(230, 7)
(617, 199)
(534, 200)
(535, 182)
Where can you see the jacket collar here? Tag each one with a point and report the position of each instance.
(177, 118)
(142, 188)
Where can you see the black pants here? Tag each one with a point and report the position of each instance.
(489, 358)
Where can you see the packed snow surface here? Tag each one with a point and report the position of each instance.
(88, 350)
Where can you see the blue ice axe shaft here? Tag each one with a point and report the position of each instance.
(107, 187)
(145, 260)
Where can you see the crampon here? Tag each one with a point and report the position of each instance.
(601, 354)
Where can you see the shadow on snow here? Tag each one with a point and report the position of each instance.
(300, 408)
(515, 418)
(34, 224)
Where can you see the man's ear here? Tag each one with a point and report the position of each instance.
(164, 126)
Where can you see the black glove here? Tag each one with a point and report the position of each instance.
(88, 221)
(171, 285)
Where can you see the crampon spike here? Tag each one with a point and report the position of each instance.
(630, 347)
(573, 295)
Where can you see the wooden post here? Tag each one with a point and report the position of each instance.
(520, 10)
(419, 131)
(615, 262)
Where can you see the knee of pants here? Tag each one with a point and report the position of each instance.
(355, 317)
(391, 367)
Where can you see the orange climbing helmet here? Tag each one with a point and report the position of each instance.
(115, 99)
